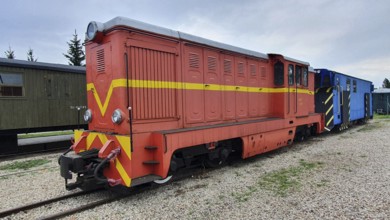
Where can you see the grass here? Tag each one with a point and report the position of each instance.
(378, 116)
(44, 134)
(371, 126)
(280, 182)
(24, 165)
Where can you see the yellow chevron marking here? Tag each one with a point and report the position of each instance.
(122, 172)
(327, 100)
(121, 83)
(77, 135)
(91, 137)
(114, 84)
(329, 110)
(329, 121)
(328, 90)
(125, 144)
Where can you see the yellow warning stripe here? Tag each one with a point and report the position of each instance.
(125, 146)
(182, 85)
(327, 100)
(329, 110)
(328, 90)
(122, 172)
(329, 121)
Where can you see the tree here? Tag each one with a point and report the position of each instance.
(30, 56)
(9, 53)
(386, 83)
(75, 53)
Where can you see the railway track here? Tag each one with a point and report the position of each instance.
(23, 153)
(115, 196)
(34, 205)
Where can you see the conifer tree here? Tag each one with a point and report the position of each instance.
(10, 54)
(30, 56)
(386, 83)
(75, 53)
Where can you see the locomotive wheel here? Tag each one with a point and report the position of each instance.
(218, 158)
(163, 181)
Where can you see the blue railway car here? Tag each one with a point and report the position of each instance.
(344, 99)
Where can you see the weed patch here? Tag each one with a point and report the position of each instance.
(24, 165)
(370, 127)
(280, 182)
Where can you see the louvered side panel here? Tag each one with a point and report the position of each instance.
(153, 76)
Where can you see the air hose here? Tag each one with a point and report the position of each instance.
(112, 155)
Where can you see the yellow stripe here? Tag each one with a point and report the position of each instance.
(329, 110)
(125, 144)
(329, 121)
(77, 135)
(327, 100)
(328, 90)
(122, 172)
(121, 83)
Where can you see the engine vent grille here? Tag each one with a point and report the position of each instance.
(100, 67)
(253, 70)
(227, 66)
(212, 63)
(241, 68)
(263, 72)
(194, 60)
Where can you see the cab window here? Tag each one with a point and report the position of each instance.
(290, 74)
(305, 77)
(348, 85)
(298, 75)
(278, 73)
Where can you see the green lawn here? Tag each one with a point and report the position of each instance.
(44, 134)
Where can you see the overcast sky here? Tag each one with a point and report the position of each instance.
(348, 36)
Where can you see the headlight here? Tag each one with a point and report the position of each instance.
(117, 116)
(94, 30)
(88, 116)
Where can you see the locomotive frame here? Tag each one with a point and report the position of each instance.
(177, 100)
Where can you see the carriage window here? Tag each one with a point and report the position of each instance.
(298, 75)
(290, 74)
(11, 85)
(278, 73)
(348, 85)
(305, 77)
(354, 86)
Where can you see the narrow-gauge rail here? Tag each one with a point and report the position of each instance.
(41, 203)
(29, 152)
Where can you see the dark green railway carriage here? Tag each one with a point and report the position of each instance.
(37, 96)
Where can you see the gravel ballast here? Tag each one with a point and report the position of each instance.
(333, 176)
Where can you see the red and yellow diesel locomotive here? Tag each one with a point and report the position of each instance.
(161, 100)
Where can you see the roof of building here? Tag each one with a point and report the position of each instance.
(382, 90)
(41, 66)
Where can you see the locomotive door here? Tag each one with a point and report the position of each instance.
(212, 91)
(291, 91)
(97, 79)
(345, 108)
(149, 66)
